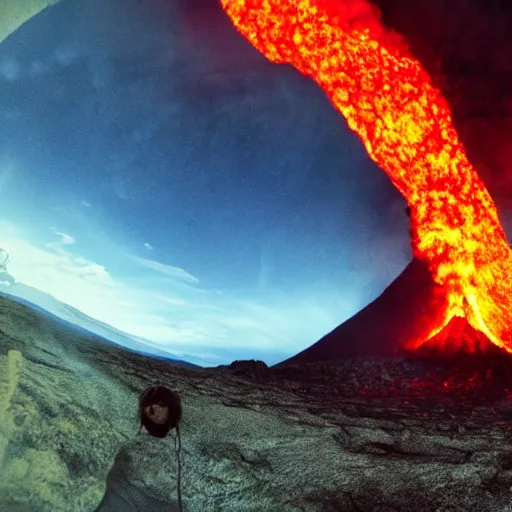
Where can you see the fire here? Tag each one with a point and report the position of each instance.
(406, 126)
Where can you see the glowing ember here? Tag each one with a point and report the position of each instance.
(406, 126)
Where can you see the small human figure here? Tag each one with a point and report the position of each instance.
(146, 475)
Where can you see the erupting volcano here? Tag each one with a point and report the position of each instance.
(389, 100)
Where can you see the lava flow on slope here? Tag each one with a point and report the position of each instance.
(406, 126)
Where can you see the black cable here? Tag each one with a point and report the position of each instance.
(177, 447)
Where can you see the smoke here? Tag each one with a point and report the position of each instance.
(466, 46)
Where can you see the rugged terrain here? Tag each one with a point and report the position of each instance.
(364, 435)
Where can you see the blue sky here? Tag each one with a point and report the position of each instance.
(159, 175)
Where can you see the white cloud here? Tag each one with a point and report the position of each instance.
(10, 69)
(66, 55)
(65, 239)
(39, 67)
(167, 270)
(76, 281)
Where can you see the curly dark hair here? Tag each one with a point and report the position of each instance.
(165, 397)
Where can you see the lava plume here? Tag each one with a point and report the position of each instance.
(389, 100)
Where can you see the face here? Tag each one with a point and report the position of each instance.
(158, 414)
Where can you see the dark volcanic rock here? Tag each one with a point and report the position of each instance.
(250, 368)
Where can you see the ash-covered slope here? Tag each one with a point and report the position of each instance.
(311, 438)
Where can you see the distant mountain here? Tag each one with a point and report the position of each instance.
(45, 302)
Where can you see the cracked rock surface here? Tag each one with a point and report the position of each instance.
(359, 435)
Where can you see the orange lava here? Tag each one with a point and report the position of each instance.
(406, 126)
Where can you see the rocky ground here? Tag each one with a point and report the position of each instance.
(362, 435)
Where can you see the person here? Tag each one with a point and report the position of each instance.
(142, 479)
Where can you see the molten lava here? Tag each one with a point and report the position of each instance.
(406, 126)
